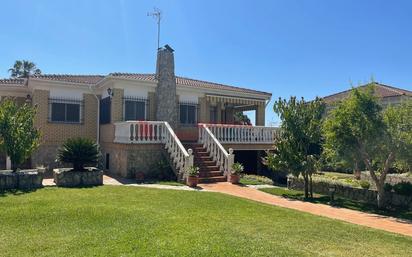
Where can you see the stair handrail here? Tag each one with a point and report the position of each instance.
(219, 154)
(155, 132)
(182, 159)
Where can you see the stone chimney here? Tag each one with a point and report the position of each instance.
(166, 99)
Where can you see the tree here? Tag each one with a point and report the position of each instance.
(18, 136)
(242, 118)
(298, 147)
(360, 126)
(23, 69)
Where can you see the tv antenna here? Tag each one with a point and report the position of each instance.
(157, 15)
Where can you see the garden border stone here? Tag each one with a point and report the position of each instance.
(67, 177)
(22, 179)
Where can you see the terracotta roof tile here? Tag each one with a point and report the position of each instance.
(93, 79)
(84, 79)
(13, 82)
(189, 82)
(381, 91)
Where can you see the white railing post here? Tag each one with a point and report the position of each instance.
(188, 161)
(230, 162)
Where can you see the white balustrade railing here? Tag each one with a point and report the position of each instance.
(242, 134)
(219, 154)
(155, 132)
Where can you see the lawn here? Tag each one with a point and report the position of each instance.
(131, 221)
(339, 202)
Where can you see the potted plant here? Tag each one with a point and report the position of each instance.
(78, 152)
(237, 169)
(192, 176)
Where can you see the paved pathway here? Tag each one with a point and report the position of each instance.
(356, 217)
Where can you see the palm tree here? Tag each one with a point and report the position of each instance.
(23, 69)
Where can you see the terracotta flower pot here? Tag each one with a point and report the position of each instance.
(192, 181)
(234, 178)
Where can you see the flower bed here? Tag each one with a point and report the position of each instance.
(67, 177)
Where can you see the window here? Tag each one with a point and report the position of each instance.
(107, 161)
(105, 109)
(134, 109)
(213, 114)
(188, 114)
(65, 110)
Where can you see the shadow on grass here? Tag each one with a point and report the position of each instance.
(339, 202)
(7, 192)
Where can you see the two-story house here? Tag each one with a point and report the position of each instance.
(140, 118)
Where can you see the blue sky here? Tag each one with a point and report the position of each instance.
(290, 47)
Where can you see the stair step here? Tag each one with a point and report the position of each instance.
(209, 168)
(206, 158)
(205, 163)
(209, 174)
(213, 179)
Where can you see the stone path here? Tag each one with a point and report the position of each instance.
(252, 193)
(356, 217)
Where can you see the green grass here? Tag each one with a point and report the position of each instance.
(167, 183)
(339, 202)
(255, 180)
(131, 221)
(246, 181)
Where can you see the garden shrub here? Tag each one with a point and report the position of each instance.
(403, 188)
(79, 152)
(365, 184)
(388, 187)
(261, 179)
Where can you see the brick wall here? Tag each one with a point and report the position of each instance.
(54, 134)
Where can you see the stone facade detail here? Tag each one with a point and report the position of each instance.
(68, 178)
(127, 159)
(24, 179)
(166, 98)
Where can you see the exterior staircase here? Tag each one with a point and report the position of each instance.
(208, 169)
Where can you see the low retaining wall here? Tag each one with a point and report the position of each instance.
(66, 177)
(23, 179)
(357, 194)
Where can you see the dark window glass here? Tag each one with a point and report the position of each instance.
(129, 110)
(65, 112)
(58, 112)
(72, 113)
(191, 114)
(188, 114)
(105, 109)
(183, 111)
(213, 114)
(135, 110)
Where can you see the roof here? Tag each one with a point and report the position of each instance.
(93, 79)
(84, 79)
(13, 82)
(188, 82)
(381, 91)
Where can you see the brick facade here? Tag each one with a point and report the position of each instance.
(54, 134)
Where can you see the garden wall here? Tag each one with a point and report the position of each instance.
(24, 179)
(357, 194)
